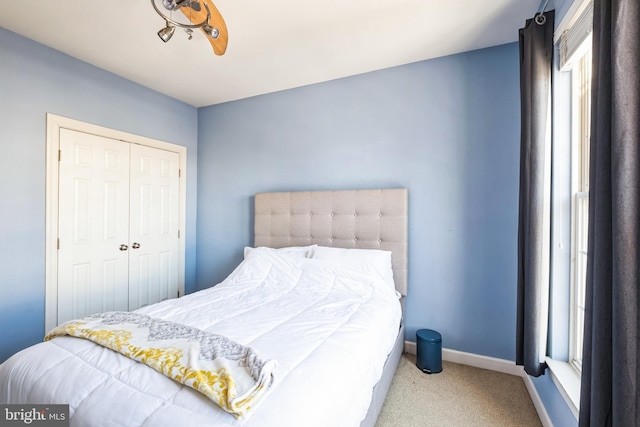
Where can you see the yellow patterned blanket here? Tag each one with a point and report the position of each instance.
(231, 375)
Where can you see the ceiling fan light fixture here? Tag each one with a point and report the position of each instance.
(166, 33)
(200, 14)
(211, 31)
(174, 4)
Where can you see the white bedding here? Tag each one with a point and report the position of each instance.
(328, 327)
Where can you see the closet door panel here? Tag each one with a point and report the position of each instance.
(93, 224)
(154, 256)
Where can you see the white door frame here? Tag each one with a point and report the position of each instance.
(54, 124)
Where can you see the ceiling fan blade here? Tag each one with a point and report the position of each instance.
(219, 44)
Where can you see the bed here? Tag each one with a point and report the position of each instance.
(325, 335)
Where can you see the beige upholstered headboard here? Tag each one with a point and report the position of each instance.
(367, 219)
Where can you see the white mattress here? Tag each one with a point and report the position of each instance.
(328, 327)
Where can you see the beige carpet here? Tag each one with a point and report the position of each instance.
(458, 396)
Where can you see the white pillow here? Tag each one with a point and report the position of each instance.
(302, 251)
(368, 259)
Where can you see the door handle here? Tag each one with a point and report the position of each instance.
(135, 245)
(124, 247)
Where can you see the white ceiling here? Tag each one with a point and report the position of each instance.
(273, 45)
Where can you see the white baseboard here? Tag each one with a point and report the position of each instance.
(492, 364)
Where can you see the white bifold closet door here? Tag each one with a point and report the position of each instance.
(118, 225)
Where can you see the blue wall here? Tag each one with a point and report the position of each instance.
(447, 129)
(554, 403)
(35, 80)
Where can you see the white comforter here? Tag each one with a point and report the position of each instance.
(329, 328)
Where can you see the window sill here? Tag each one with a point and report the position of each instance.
(567, 379)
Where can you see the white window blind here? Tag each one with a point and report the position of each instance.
(574, 41)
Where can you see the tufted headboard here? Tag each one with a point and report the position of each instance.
(366, 219)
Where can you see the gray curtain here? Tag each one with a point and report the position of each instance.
(610, 374)
(536, 57)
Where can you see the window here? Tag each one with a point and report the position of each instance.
(570, 186)
(574, 45)
(580, 123)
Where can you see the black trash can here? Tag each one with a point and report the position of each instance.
(429, 357)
